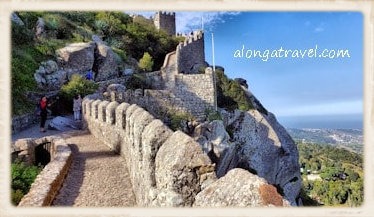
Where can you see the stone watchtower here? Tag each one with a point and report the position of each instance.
(165, 21)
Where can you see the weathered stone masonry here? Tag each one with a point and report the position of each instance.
(192, 92)
(190, 54)
(164, 166)
(165, 21)
(49, 181)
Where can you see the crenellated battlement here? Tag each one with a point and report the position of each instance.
(166, 13)
(190, 53)
(146, 143)
(191, 38)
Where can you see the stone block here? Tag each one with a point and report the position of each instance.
(239, 188)
(111, 113)
(178, 162)
(121, 115)
(102, 111)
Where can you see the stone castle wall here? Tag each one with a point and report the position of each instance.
(193, 91)
(165, 21)
(167, 169)
(192, 94)
(190, 53)
(50, 180)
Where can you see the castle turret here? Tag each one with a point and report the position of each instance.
(165, 21)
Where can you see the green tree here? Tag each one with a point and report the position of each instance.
(146, 62)
(76, 85)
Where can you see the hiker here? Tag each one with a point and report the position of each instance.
(89, 75)
(43, 104)
(77, 106)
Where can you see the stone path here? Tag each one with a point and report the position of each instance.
(97, 178)
(34, 132)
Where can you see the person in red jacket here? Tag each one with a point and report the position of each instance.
(43, 112)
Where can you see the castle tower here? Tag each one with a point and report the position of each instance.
(165, 21)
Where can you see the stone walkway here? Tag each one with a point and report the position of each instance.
(97, 177)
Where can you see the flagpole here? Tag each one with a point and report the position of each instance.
(214, 76)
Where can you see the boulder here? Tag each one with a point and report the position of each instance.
(242, 82)
(106, 66)
(49, 76)
(40, 28)
(182, 170)
(116, 88)
(76, 58)
(212, 138)
(263, 147)
(239, 188)
(15, 18)
(97, 39)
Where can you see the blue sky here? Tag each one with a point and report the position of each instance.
(289, 86)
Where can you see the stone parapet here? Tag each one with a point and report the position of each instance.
(146, 144)
(49, 181)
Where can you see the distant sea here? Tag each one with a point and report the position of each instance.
(323, 121)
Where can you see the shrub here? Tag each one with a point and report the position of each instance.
(146, 62)
(77, 85)
(22, 178)
(48, 47)
(23, 66)
(121, 54)
(213, 115)
(230, 95)
(21, 35)
(177, 119)
(58, 26)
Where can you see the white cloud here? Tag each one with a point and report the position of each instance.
(319, 29)
(189, 21)
(307, 23)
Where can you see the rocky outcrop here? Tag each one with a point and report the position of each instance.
(213, 138)
(179, 164)
(118, 88)
(40, 28)
(239, 188)
(76, 58)
(49, 76)
(263, 147)
(15, 18)
(105, 65)
(242, 82)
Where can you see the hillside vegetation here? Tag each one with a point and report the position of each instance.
(128, 38)
(339, 175)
